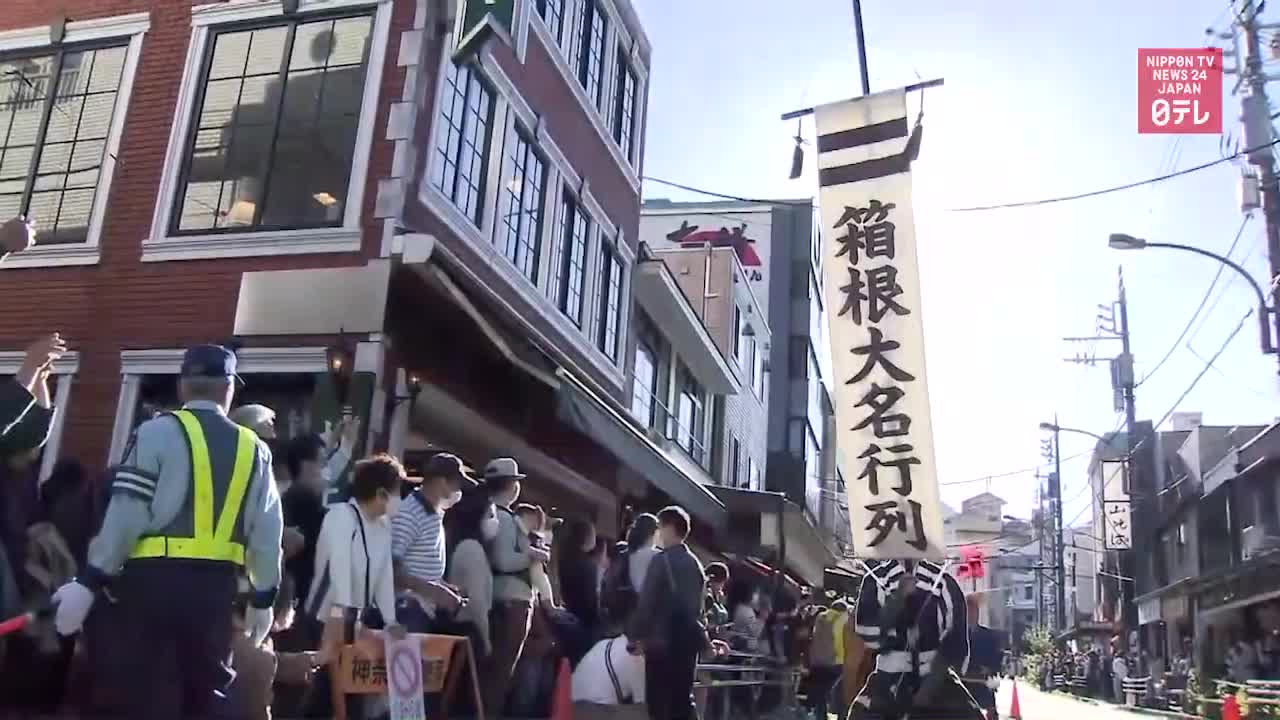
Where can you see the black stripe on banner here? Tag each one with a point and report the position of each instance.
(866, 170)
(865, 135)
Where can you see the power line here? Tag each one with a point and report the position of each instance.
(1117, 188)
(727, 196)
(1011, 473)
(1204, 370)
(1203, 301)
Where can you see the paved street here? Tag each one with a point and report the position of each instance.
(1038, 705)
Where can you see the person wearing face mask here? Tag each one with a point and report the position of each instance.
(418, 544)
(472, 525)
(511, 556)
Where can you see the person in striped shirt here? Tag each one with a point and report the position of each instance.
(418, 544)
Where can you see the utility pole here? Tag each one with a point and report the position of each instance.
(1040, 564)
(1255, 113)
(1055, 492)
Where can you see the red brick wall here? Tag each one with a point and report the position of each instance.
(122, 302)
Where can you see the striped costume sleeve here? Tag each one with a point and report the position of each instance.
(130, 478)
(955, 625)
(867, 618)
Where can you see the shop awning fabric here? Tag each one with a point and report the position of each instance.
(807, 554)
(578, 407)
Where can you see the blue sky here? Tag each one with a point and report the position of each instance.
(1039, 101)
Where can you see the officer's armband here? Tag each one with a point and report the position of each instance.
(134, 481)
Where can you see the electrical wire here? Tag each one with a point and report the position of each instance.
(727, 196)
(1203, 301)
(1116, 188)
(1011, 473)
(1204, 370)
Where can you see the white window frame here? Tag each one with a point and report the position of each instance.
(617, 35)
(161, 246)
(510, 107)
(136, 364)
(122, 27)
(64, 371)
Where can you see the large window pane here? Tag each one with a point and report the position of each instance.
(644, 384)
(571, 259)
(274, 137)
(462, 143)
(689, 419)
(51, 152)
(519, 227)
(610, 301)
(624, 110)
(593, 33)
(552, 12)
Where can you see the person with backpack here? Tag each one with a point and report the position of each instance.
(667, 622)
(627, 574)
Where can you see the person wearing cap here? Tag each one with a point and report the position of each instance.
(193, 504)
(511, 556)
(418, 544)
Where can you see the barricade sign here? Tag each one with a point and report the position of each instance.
(404, 679)
(403, 670)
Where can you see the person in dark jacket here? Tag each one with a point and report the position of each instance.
(579, 575)
(18, 397)
(667, 622)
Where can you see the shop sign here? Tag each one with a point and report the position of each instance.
(1148, 611)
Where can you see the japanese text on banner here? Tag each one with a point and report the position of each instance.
(884, 433)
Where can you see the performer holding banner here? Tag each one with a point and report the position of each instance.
(910, 609)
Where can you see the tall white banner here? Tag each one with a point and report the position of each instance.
(872, 287)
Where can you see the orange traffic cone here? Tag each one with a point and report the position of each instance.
(562, 700)
(1230, 708)
(1015, 710)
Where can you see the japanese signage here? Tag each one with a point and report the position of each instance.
(1117, 530)
(1180, 91)
(366, 673)
(748, 232)
(872, 286)
(477, 18)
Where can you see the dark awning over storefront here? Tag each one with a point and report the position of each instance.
(806, 552)
(581, 409)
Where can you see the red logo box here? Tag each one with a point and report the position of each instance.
(1180, 91)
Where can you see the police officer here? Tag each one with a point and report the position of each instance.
(193, 504)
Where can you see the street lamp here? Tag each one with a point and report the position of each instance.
(1120, 241)
(1054, 428)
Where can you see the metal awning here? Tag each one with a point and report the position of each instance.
(806, 552)
(658, 293)
(583, 410)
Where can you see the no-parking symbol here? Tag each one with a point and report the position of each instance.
(404, 679)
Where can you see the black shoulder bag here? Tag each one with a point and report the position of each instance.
(370, 614)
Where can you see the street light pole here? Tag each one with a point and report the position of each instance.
(1120, 241)
(862, 47)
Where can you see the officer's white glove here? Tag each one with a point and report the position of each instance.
(257, 624)
(73, 602)
(993, 682)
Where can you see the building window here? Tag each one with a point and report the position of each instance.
(594, 29)
(735, 462)
(624, 110)
(750, 361)
(552, 12)
(56, 112)
(644, 383)
(753, 474)
(610, 301)
(462, 145)
(798, 359)
(689, 415)
(524, 177)
(737, 332)
(1028, 593)
(570, 258)
(757, 377)
(275, 127)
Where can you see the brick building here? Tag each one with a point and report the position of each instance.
(437, 239)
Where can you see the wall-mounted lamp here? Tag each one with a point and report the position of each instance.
(413, 383)
(748, 331)
(341, 364)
